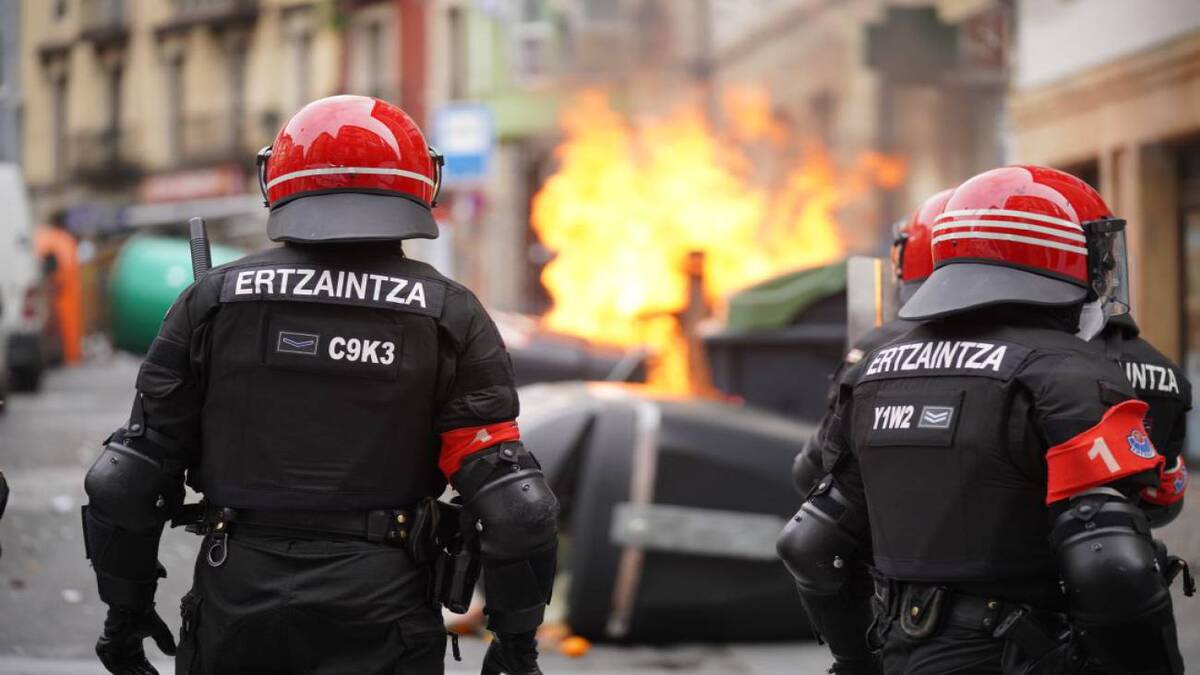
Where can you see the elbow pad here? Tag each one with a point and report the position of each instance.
(511, 510)
(130, 498)
(130, 489)
(1117, 595)
(819, 542)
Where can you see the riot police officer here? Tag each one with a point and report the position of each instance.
(842, 619)
(1162, 384)
(912, 263)
(320, 395)
(989, 459)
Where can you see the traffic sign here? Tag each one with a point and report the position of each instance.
(465, 135)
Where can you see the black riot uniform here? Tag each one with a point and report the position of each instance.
(319, 396)
(989, 460)
(842, 619)
(946, 543)
(319, 380)
(1158, 381)
(808, 466)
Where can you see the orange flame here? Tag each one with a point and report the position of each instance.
(630, 203)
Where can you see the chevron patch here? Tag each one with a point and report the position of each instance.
(936, 417)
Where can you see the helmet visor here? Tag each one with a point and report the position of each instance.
(1108, 265)
(899, 242)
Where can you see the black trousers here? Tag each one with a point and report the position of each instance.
(952, 651)
(297, 606)
(955, 650)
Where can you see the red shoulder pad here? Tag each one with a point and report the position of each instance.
(1172, 483)
(458, 444)
(1115, 448)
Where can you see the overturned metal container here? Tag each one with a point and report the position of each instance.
(670, 511)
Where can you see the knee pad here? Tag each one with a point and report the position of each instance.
(1117, 595)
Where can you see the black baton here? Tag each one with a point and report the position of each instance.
(201, 255)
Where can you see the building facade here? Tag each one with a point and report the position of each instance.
(10, 81)
(1124, 113)
(910, 79)
(142, 113)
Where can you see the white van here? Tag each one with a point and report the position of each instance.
(22, 315)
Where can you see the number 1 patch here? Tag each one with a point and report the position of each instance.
(1117, 446)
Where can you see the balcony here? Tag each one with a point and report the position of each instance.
(216, 14)
(107, 157)
(214, 139)
(104, 22)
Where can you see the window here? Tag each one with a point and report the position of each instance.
(601, 10)
(823, 106)
(458, 53)
(237, 95)
(303, 60)
(175, 108)
(1088, 172)
(531, 48)
(531, 10)
(376, 61)
(59, 96)
(112, 131)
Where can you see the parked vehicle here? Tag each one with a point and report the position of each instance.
(27, 325)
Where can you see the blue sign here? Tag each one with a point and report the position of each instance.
(465, 134)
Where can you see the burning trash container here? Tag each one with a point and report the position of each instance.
(670, 509)
(793, 324)
(542, 355)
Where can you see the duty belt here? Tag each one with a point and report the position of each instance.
(390, 526)
(379, 525)
(922, 610)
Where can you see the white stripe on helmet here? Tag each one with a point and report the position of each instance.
(1037, 217)
(1015, 238)
(350, 170)
(1010, 225)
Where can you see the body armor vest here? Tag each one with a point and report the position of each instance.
(950, 426)
(942, 490)
(322, 383)
(1159, 382)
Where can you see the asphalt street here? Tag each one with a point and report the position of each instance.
(50, 615)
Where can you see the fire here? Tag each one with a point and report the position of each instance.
(632, 206)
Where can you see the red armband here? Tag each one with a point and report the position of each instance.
(1115, 448)
(1172, 483)
(457, 444)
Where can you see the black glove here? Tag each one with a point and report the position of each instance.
(512, 654)
(120, 646)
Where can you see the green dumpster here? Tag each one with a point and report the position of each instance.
(783, 338)
(149, 273)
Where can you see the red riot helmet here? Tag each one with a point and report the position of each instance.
(350, 168)
(912, 254)
(1027, 235)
